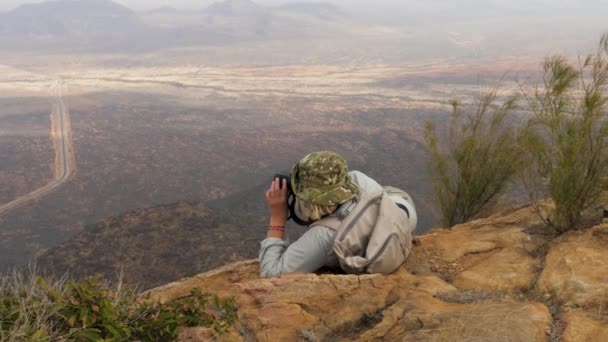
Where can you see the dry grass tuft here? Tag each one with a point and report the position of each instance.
(470, 296)
(351, 330)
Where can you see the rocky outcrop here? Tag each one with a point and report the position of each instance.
(581, 325)
(314, 307)
(485, 258)
(576, 268)
(495, 254)
(474, 282)
(575, 277)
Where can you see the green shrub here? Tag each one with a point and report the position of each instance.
(480, 159)
(92, 313)
(568, 137)
(32, 309)
(27, 309)
(160, 322)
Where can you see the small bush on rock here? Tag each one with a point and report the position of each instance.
(480, 160)
(567, 139)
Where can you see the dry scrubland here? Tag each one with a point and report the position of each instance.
(416, 85)
(147, 136)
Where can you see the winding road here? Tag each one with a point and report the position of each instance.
(64, 153)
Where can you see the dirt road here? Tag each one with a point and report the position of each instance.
(64, 153)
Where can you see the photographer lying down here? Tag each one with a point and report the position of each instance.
(353, 222)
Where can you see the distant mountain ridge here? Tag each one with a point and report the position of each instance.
(321, 10)
(65, 18)
(105, 25)
(241, 18)
(232, 8)
(164, 9)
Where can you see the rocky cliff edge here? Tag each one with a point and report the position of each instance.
(503, 278)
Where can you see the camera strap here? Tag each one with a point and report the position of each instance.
(291, 201)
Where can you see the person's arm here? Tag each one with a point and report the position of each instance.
(276, 197)
(308, 254)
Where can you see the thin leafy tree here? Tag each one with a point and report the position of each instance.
(567, 138)
(480, 159)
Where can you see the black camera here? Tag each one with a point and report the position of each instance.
(282, 177)
(291, 200)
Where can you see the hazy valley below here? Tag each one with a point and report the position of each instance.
(177, 119)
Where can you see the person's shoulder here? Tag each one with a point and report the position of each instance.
(357, 175)
(320, 229)
(364, 181)
(320, 233)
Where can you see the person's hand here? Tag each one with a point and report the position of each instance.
(276, 197)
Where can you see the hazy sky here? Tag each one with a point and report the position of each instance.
(357, 4)
(149, 4)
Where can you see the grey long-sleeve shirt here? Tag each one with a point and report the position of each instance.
(314, 249)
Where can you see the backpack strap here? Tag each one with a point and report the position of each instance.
(332, 222)
(392, 191)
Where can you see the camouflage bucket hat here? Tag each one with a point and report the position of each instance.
(322, 178)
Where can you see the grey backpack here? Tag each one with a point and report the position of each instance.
(374, 235)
